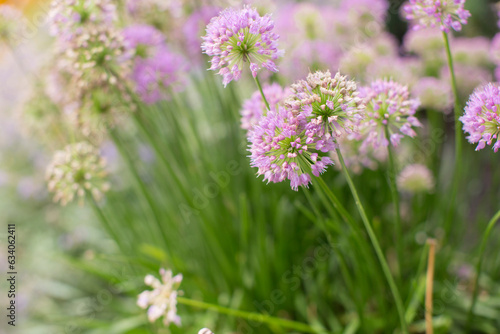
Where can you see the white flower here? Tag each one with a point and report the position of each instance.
(205, 331)
(162, 300)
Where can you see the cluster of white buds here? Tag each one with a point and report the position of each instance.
(76, 170)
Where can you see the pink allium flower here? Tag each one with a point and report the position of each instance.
(192, 29)
(445, 14)
(240, 36)
(388, 104)
(426, 43)
(495, 49)
(415, 178)
(362, 11)
(472, 51)
(157, 77)
(404, 70)
(482, 117)
(331, 103)
(468, 77)
(434, 94)
(254, 107)
(143, 38)
(284, 145)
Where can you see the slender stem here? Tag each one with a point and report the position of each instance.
(376, 246)
(486, 235)
(256, 78)
(429, 287)
(336, 203)
(398, 234)
(298, 326)
(458, 137)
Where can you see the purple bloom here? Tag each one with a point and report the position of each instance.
(495, 49)
(238, 36)
(254, 107)
(284, 145)
(482, 118)
(331, 103)
(193, 29)
(415, 178)
(388, 104)
(157, 77)
(445, 14)
(145, 39)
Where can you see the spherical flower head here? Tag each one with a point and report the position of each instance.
(158, 77)
(445, 14)
(67, 17)
(405, 70)
(481, 119)
(76, 170)
(162, 300)
(241, 36)
(143, 39)
(415, 178)
(193, 28)
(284, 145)
(254, 107)
(388, 104)
(331, 103)
(11, 24)
(468, 77)
(495, 49)
(434, 94)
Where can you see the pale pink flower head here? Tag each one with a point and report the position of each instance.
(388, 104)
(445, 14)
(254, 107)
(162, 300)
(239, 37)
(415, 178)
(434, 94)
(481, 119)
(284, 145)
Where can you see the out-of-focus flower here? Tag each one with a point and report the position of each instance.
(158, 77)
(445, 14)
(192, 29)
(388, 104)
(11, 24)
(415, 178)
(482, 117)
(143, 39)
(434, 94)
(356, 157)
(472, 51)
(254, 107)
(68, 17)
(284, 145)
(367, 15)
(404, 70)
(205, 331)
(75, 170)
(241, 36)
(495, 49)
(468, 77)
(162, 300)
(330, 103)
(425, 43)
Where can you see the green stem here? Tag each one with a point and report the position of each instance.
(458, 137)
(376, 246)
(486, 235)
(294, 325)
(256, 78)
(336, 203)
(398, 234)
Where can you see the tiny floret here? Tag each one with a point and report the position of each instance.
(162, 300)
(76, 170)
(388, 105)
(415, 178)
(238, 37)
(481, 119)
(445, 14)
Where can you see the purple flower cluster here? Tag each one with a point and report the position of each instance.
(482, 117)
(445, 14)
(388, 105)
(254, 107)
(284, 145)
(238, 36)
(157, 70)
